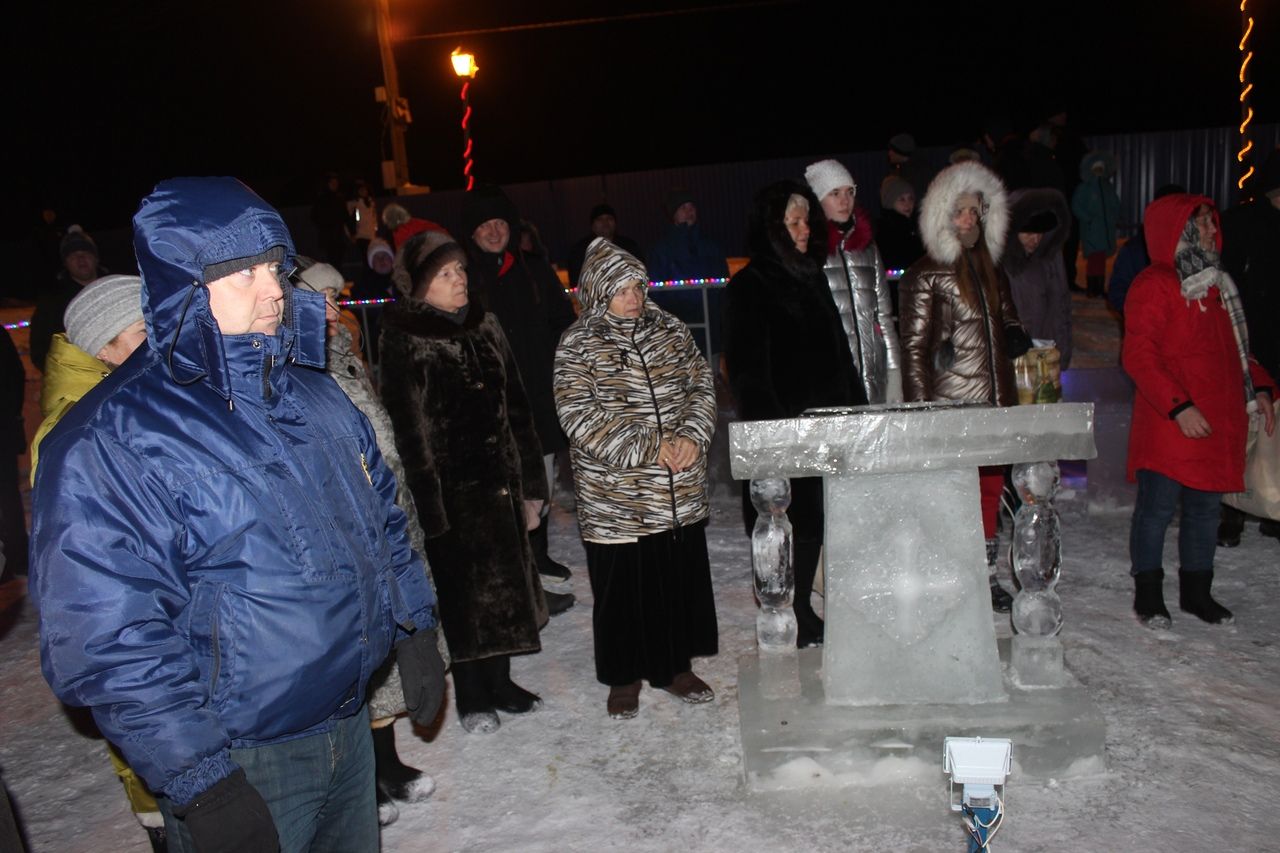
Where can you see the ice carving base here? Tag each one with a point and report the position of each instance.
(794, 739)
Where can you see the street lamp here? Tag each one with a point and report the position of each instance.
(464, 65)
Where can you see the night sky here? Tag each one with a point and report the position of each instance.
(111, 97)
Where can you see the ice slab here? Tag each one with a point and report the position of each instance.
(908, 610)
(1037, 662)
(909, 437)
(794, 739)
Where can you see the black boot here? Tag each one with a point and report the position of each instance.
(558, 602)
(546, 565)
(507, 695)
(476, 710)
(1230, 527)
(159, 839)
(1194, 598)
(1093, 285)
(397, 779)
(1148, 600)
(1270, 527)
(810, 629)
(1001, 600)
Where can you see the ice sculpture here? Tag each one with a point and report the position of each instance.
(771, 555)
(1036, 651)
(1037, 550)
(911, 654)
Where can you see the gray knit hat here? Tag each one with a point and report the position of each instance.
(103, 309)
(319, 277)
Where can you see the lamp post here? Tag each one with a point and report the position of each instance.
(397, 107)
(464, 65)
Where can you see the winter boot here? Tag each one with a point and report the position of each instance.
(1270, 527)
(159, 839)
(1148, 600)
(810, 629)
(1194, 598)
(1093, 285)
(1230, 527)
(558, 602)
(397, 779)
(506, 694)
(1001, 600)
(546, 565)
(476, 709)
(388, 811)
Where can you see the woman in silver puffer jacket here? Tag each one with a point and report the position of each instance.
(855, 274)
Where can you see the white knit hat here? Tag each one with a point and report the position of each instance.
(103, 309)
(827, 175)
(320, 277)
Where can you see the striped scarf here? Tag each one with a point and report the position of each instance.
(1198, 269)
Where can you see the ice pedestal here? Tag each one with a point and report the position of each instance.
(910, 649)
(1037, 661)
(793, 739)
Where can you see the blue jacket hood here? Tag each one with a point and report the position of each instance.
(187, 225)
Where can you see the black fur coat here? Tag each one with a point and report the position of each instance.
(471, 456)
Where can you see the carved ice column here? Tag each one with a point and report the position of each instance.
(771, 554)
(1037, 563)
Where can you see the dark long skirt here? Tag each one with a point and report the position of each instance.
(654, 606)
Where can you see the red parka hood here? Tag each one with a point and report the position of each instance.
(1164, 220)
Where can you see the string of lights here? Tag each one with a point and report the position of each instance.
(1246, 111)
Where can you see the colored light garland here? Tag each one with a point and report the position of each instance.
(21, 324)
(1246, 111)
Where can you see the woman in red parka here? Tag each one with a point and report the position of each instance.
(1187, 350)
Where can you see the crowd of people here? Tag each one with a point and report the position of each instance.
(250, 557)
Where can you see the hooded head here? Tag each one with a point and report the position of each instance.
(1097, 164)
(1165, 223)
(936, 228)
(606, 269)
(1041, 211)
(767, 235)
(191, 231)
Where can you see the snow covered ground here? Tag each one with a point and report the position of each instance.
(1193, 736)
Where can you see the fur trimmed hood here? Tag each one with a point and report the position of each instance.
(767, 236)
(1024, 205)
(936, 229)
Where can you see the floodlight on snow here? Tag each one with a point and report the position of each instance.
(979, 766)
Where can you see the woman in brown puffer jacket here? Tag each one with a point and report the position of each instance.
(959, 329)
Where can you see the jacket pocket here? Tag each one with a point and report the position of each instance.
(205, 633)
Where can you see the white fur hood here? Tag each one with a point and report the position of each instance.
(935, 213)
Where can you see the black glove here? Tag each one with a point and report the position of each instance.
(421, 676)
(230, 817)
(1016, 342)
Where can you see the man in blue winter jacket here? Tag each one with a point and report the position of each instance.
(216, 552)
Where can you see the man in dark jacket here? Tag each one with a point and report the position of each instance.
(79, 267)
(217, 556)
(525, 294)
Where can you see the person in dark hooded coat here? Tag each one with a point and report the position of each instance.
(786, 351)
(1040, 220)
(464, 428)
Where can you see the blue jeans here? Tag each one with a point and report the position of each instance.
(320, 790)
(1197, 528)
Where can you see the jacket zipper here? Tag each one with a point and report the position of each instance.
(853, 313)
(988, 331)
(648, 380)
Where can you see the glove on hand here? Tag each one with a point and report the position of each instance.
(230, 817)
(421, 676)
(1016, 342)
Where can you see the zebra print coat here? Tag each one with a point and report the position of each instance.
(621, 387)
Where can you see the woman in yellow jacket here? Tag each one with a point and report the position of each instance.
(104, 319)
